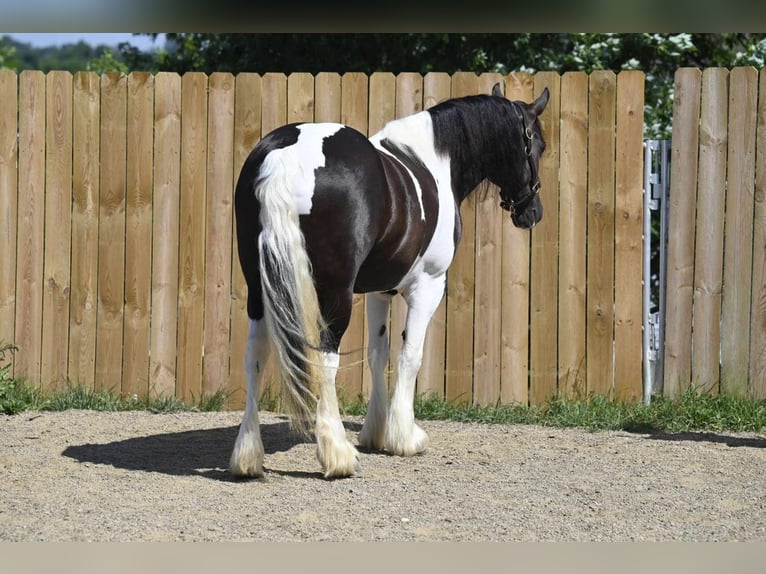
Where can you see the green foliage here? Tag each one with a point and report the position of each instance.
(7, 56)
(657, 55)
(15, 396)
(107, 62)
(18, 396)
(693, 411)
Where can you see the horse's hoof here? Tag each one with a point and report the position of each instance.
(415, 442)
(338, 461)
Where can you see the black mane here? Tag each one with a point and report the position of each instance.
(479, 134)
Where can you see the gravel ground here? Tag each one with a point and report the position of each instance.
(137, 476)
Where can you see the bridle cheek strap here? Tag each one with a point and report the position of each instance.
(507, 203)
(513, 206)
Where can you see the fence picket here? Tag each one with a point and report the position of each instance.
(111, 237)
(514, 367)
(738, 236)
(681, 211)
(600, 291)
(573, 210)
(247, 132)
(327, 97)
(711, 197)
(31, 225)
(191, 257)
(544, 255)
(218, 254)
(460, 285)
(138, 234)
(8, 206)
(757, 383)
(488, 288)
(436, 88)
(165, 220)
(300, 97)
(628, 240)
(85, 211)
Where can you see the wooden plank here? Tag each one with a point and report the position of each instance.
(738, 236)
(138, 234)
(681, 211)
(544, 257)
(460, 285)
(573, 214)
(85, 207)
(219, 231)
(628, 293)
(514, 360)
(711, 200)
(247, 131)
(408, 101)
(191, 257)
(354, 101)
(327, 97)
(58, 228)
(274, 102)
(167, 186)
(8, 206)
(757, 382)
(300, 97)
(488, 287)
(436, 88)
(111, 238)
(600, 290)
(31, 213)
(382, 109)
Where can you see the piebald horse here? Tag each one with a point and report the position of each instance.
(323, 212)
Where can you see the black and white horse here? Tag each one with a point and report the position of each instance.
(323, 212)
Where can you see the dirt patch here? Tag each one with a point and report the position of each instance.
(137, 476)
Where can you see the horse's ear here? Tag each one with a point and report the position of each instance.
(539, 104)
(496, 91)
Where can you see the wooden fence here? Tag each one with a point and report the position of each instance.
(716, 287)
(118, 267)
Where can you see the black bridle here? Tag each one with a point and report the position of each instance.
(506, 202)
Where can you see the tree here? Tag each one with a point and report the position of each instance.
(657, 55)
(7, 56)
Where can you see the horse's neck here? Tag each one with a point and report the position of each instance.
(417, 133)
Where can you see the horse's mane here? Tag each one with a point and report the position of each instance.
(476, 132)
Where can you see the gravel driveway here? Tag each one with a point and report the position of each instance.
(137, 476)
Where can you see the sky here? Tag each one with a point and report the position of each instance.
(46, 39)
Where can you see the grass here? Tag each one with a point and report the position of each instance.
(692, 411)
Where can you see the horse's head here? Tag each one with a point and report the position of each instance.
(520, 181)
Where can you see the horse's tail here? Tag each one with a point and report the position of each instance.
(291, 307)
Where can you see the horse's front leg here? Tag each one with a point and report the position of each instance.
(403, 436)
(247, 456)
(336, 454)
(373, 431)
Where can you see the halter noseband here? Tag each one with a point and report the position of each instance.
(509, 204)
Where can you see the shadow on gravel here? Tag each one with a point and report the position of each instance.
(188, 453)
(733, 441)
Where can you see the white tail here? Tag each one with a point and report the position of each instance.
(290, 301)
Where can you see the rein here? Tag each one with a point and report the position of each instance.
(509, 204)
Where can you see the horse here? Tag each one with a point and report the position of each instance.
(323, 212)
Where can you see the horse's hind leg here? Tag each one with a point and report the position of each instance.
(335, 453)
(247, 456)
(374, 429)
(403, 436)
